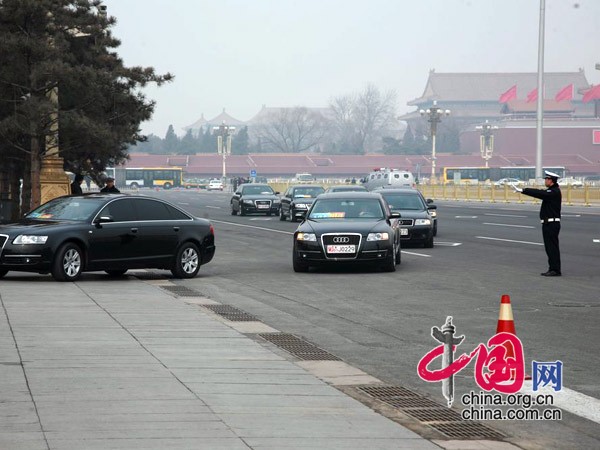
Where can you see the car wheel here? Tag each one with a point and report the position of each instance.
(167, 186)
(116, 273)
(292, 217)
(428, 243)
(299, 265)
(187, 261)
(281, 215)
(68, 263)
(435, 229)
(233, 211)
(398, 256)
(242, 211)
(134, 186)
(3, 272)
(389, 265)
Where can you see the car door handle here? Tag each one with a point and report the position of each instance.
(134, 230)
(176, 228)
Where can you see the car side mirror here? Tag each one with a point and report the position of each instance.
(277, 192)
(103, 219)
(394, 215)
(431, 207)
(429, 201)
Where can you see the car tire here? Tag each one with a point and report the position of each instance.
(435, 229)
(242, 211)
(134, 186)
(3, 272)
(281, 215)
(187, 261)
(389, 264)
(167, 185)
(116, 273)
(233, 211)
(398, 256)
(299, 265)
(292, 217)
(68, 262)
(428, 243)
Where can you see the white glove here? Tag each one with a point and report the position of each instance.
(518, 189)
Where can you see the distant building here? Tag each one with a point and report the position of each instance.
(224, 117)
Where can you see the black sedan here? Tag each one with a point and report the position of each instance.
(70, 235)
(347, 227)
(417, 224)
(297, 200)
(255, 198)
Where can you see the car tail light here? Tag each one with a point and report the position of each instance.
(212, 230)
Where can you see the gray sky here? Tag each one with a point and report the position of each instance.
(241, 54)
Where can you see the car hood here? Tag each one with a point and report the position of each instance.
(308, 200)
(343, 226)
(260, 197)
(412, 214)
(30, 226)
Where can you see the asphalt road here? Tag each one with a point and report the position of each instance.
(381, 322)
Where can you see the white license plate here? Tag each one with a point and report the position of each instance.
(403, 231)
(341, 248)
(262, 206)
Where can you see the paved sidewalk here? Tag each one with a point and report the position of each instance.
(121, 364)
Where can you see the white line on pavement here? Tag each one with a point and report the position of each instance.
(416, 254)
(465, 217)
(251, 226)
(182, 203)
(502, 215)
(570, 215)
(260, 218)
(448, 244)
(596, 240)
(507, 225)
(213, 207)
(569, 400)
(508, 240)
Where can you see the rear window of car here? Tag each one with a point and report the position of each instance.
(404, 201)
(151, 210)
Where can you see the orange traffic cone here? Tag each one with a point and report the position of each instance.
(506, 324)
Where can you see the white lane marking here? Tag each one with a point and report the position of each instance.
(596, 240)
(507, 225)
(213, 207)
(465, 217)
(416, 254)
(260, 218)
(570, 215)
(448, 244)
(508, 240)
(569, 400)
(251, 226)
(503, 215)
(182, 203)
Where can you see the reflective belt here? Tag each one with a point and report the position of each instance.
(550, 220)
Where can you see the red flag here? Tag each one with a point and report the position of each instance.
(532, 96)
(592, 94)
(565, 93)
(509, 95)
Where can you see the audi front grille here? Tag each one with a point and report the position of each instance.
(406, 222)
(341, 239)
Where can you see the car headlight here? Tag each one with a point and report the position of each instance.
(30, 239)
(248, 202)
(312, 237)
(378, 237)
(423, 222)
(433, 213)
(276, 201)
(301, 206)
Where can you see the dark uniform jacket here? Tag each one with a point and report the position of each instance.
(76, 188)
(112, 189)
(551, 201)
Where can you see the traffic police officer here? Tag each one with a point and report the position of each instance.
(550, 218)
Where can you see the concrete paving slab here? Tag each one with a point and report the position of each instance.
(339, 444)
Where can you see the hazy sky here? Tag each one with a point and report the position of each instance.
(241, 54)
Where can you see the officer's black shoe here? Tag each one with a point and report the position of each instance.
(551, 273)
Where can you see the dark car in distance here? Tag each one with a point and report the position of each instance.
(346, 188)
(417, 222)
(255, 198)
(297, 200)
(347, 227)
(111, 232)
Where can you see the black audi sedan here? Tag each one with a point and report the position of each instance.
(297, 200)
(255, 198)
(417, 224)
(110, 232)
(347, 227)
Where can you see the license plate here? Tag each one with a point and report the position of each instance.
(262, 206)
(341, 248)
(403, 231)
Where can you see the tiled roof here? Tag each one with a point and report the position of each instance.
(489, 86)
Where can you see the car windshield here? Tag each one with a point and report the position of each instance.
(347, 189)
(398, 202)
(308, 192)
(347, 209)
(67, 208)
(257, 190)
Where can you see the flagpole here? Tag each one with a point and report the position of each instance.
(540, 99)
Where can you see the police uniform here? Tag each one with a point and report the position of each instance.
(550, 218)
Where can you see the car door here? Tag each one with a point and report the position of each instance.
(157, 232)
(113, 244)
(286, 200)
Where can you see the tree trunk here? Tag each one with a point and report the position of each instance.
(34, 170)
(26, 188)
(15, 194)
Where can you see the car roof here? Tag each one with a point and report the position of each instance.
(398, 190)
(306, 186)
(254, 184)
(350, 195)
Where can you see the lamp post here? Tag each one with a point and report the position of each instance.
(435, 114)
(224, 144)
(486, 143)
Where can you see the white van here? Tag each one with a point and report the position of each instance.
(389, 178)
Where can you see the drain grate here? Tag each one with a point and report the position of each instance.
(298, 347)
(469, 430)
(434, 414)
(231, 313)
(181, 291)
(445, 420)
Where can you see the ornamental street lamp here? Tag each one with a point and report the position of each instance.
(224, 143)
(486, 142)
(435, 116)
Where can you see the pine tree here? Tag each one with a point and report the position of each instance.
(171, 141)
